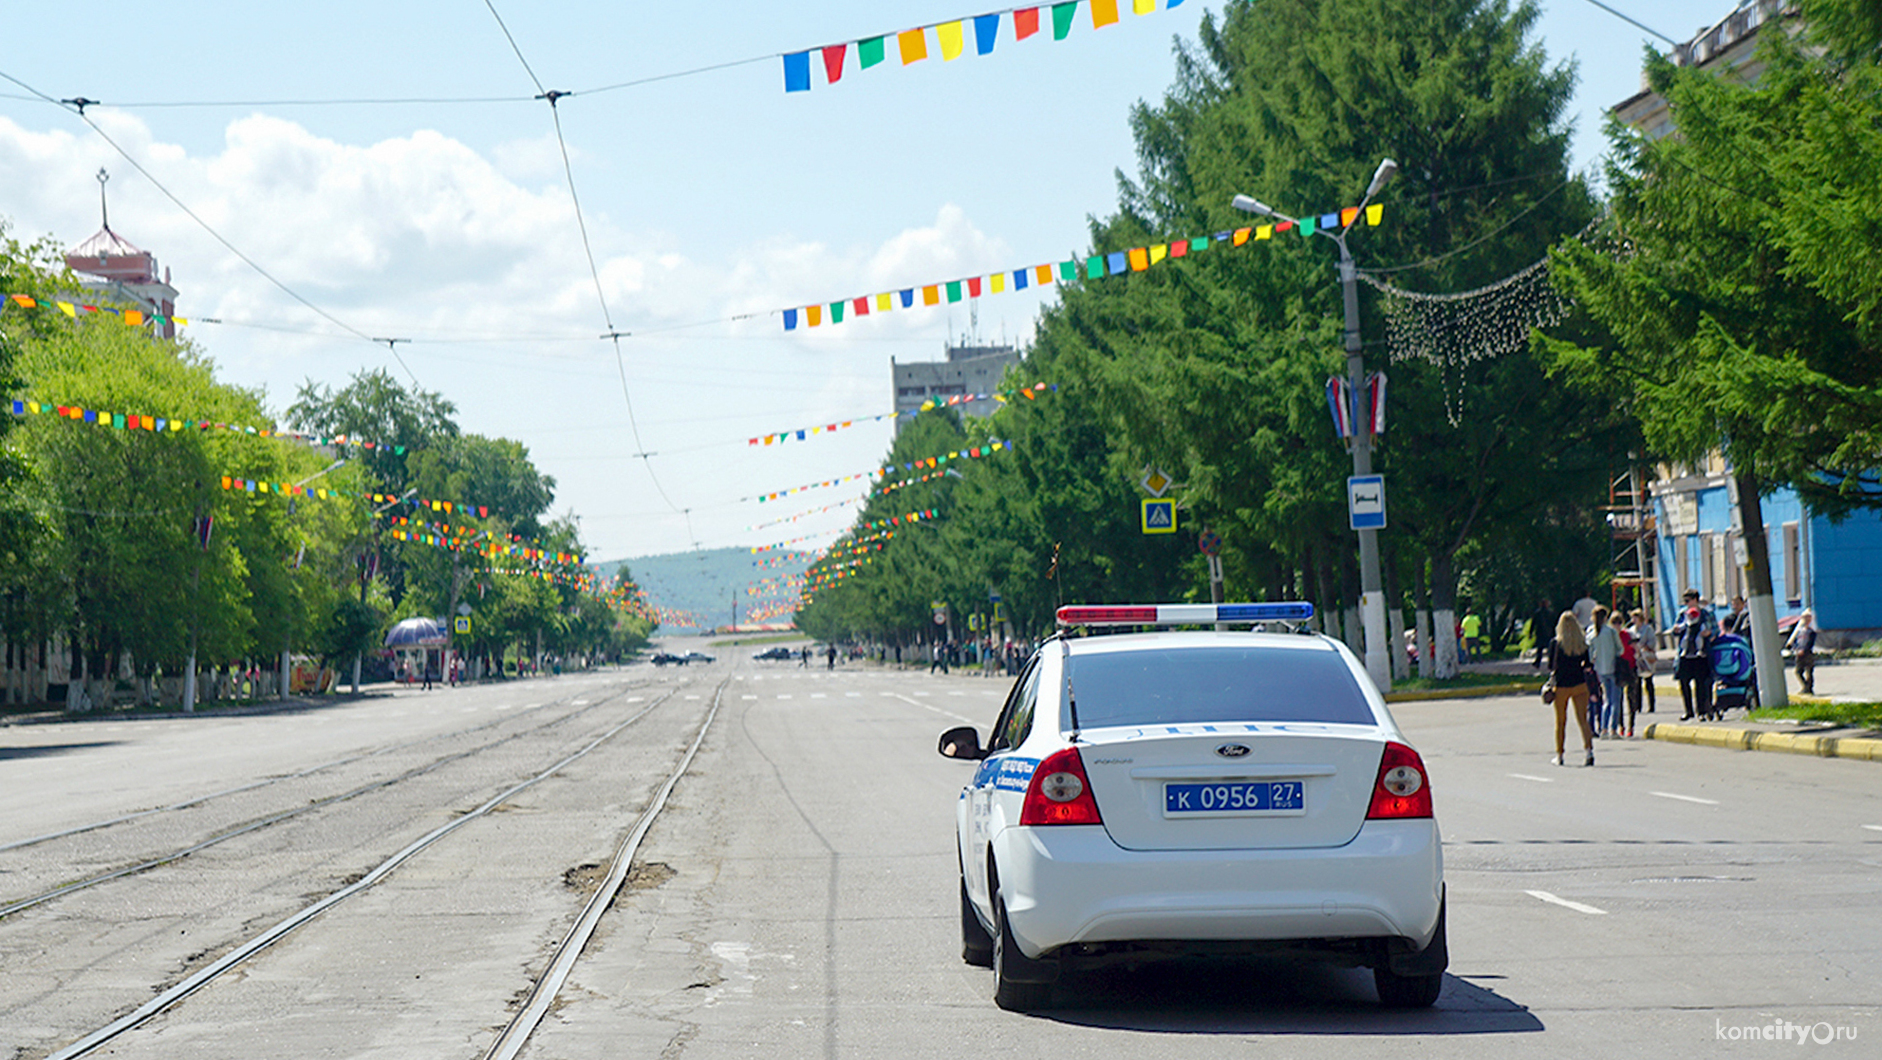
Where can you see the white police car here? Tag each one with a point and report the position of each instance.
(1197, 793)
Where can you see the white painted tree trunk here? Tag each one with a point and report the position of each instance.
(1421, 638)
(1444, 631)
(1401, 666)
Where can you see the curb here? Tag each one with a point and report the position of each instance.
(1471, 692)
(1859, 747)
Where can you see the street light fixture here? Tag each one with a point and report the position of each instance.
(1372, 596)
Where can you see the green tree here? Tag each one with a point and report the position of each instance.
(1212, 367)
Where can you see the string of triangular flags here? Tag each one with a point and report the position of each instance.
(780, 545)
(911, 45)
(127, 421)
(1030, 393)
(513, 546)
(1095, 267)
(833, 506)
(772, 562)
(288, 489)
(132, 318)
(971, 453)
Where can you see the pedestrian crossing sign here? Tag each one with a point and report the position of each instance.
(1159, 516)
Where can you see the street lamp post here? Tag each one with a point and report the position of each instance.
(1372, 595)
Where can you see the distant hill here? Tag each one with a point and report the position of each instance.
(708, 583)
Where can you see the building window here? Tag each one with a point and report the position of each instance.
(1682, 573)
(951, 388)
(911, 391)
(1793, 564)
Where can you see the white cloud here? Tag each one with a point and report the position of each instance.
(420, 236)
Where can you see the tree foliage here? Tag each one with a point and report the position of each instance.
(1738, 279)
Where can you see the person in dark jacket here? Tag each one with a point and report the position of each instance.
(1568, 671)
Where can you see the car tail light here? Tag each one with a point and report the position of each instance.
(1402, 789)
(1060, 793)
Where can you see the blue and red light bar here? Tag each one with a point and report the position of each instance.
(1181, 614)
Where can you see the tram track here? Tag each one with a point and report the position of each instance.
(243, 951)
(252, 825)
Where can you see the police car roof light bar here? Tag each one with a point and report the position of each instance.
(1181, 614)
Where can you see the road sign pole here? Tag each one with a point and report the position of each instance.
(1372, 596)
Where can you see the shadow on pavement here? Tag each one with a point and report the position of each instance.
(1268, 996)
(51, 749)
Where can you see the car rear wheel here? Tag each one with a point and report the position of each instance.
(1008, 993)
(1407, 991)
(976, 943)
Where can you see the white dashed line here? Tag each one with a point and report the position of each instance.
(748, 697)
(784, 695)
(924, 706)
(1566, 904)
(1526, 776)
(818, 695)
(1685, 798)
(692, 697)
(1873, 827)
(853, 695)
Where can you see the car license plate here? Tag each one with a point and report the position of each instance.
(1237, 798)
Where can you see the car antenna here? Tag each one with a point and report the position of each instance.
(1071, 697)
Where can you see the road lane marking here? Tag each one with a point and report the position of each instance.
(853, 695)
(819, 695)
(1685, 798)
(1566, 904)
(748, 697)
(1873, 827)
(925, 706)
(784, 695)
(1526, 776)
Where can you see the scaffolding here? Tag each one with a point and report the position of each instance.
(1635, 543)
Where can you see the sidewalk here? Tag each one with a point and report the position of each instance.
(1850, 681)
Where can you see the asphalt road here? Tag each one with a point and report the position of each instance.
(797, 896)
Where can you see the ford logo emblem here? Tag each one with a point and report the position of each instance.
(1232, 750)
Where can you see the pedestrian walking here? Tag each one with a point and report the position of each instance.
(1646, 656)
(1473, 630)
(1692, 637)
(1604, 651)
(832, 655)
(1803, 643)
(1541, 626)
(1568, 684)
(1629, 673)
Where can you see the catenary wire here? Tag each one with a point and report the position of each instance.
(79, 110)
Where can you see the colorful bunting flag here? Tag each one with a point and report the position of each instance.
(951, 34)
(1030, 393)
(1095, 267)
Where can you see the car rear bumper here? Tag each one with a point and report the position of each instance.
(1066, 885)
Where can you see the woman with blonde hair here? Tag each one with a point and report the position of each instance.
(1568, 672)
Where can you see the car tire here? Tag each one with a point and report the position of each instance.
(976, 943)
(1007, 993)
(1407, 991)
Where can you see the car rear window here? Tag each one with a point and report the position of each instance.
(1215, 684)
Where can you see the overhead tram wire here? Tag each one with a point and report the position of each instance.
(77, 106)
(613, 334)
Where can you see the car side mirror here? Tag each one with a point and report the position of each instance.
(962, 742)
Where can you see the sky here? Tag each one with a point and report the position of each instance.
(709, 201)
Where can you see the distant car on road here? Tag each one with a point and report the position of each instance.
(775, 654)
(696, 656)
(662, 658)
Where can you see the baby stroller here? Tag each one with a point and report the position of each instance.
(1736, 673)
